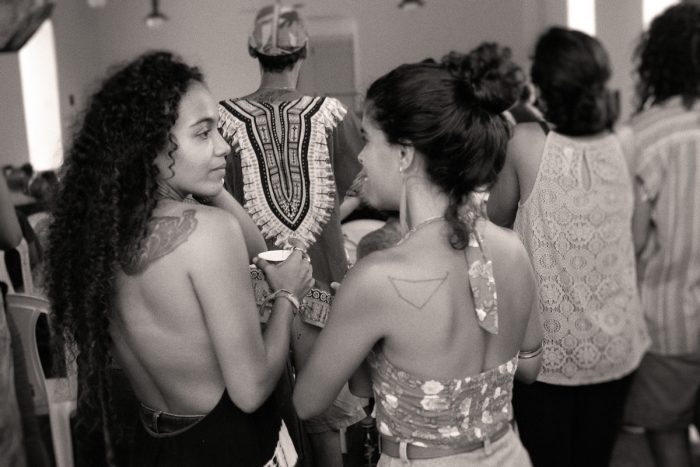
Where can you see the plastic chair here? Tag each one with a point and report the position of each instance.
(56, 397)
(27, 280)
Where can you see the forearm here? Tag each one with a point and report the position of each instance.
(276, 338)
(10, 231)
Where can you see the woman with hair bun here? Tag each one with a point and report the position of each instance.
(569, 194)
(446, 318)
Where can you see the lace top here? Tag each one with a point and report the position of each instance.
(576, 228)
(448, 412)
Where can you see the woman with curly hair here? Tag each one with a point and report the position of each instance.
(447, 315)
(665, 158)
(567, 189)
(161, 286)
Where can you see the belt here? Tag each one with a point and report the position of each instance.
(163, 423)
(391, 447)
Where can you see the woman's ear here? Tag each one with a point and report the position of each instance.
(407, 152)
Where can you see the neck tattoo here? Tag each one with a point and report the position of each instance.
(420, 225)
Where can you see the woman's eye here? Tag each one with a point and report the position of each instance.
(204, 134)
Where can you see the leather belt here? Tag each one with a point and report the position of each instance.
(391, 447)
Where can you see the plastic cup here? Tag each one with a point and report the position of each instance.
(274, 256)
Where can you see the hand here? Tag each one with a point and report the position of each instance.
(293, 274)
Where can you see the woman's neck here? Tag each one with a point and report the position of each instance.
(423, 200)
(165, 191)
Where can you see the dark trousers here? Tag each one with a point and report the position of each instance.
(570, 426)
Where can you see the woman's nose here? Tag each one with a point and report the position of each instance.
(222, 147)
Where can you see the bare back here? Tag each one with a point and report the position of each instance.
(161, 337)
(432, 327)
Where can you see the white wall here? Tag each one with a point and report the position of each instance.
(213, 33)
(13, 134)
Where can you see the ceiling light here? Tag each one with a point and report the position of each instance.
(155, 18)
(411, 4)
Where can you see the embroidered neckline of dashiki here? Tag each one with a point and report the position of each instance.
(288, 181)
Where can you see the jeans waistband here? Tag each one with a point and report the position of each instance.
(161, 424)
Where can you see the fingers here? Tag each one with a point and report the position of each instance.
(261, 263)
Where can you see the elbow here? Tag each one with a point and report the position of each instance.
(249, 403)
(527, 372)
(305, 408)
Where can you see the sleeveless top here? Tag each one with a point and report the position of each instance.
(448, 412)
(225, 436)
(575, 226)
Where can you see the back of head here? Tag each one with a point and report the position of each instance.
(279, 38)
(509, 78)
(105, 198)
(668, 57)
(451, 114)
(571, 70)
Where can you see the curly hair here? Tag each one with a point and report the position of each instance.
(668, 57)
(451, 113)
(105, 198)
(571, 70)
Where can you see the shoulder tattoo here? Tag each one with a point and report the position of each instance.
(163, 236)
(417, 292)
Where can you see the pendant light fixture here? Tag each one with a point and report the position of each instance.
(155, 18)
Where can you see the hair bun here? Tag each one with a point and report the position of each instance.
(491, 78)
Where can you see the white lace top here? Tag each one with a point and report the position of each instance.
(576, 226)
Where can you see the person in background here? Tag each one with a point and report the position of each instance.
(141, 275)
(665, 163)
(566, 187)
(12, 452)
(446, 318)
(294, 158)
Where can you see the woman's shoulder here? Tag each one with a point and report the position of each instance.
(206, 226)
(505, 246)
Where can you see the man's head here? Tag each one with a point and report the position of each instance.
(279, 38)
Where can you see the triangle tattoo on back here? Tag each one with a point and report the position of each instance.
(417, 293)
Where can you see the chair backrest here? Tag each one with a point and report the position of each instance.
(27, 279)
(24, 310)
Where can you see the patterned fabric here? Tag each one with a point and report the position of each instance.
(449, 412)
(314, 306)
(667, 165)
(575, 226)
(287, 174)
(441, 412)
(481, 281)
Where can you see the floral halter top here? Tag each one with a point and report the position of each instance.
(448, 412)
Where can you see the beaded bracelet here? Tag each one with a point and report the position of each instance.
(284, 293)
(531, 353)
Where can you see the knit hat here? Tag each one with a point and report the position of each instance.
(278, 30)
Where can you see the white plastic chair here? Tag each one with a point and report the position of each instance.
(27, 280)
(56, 397)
